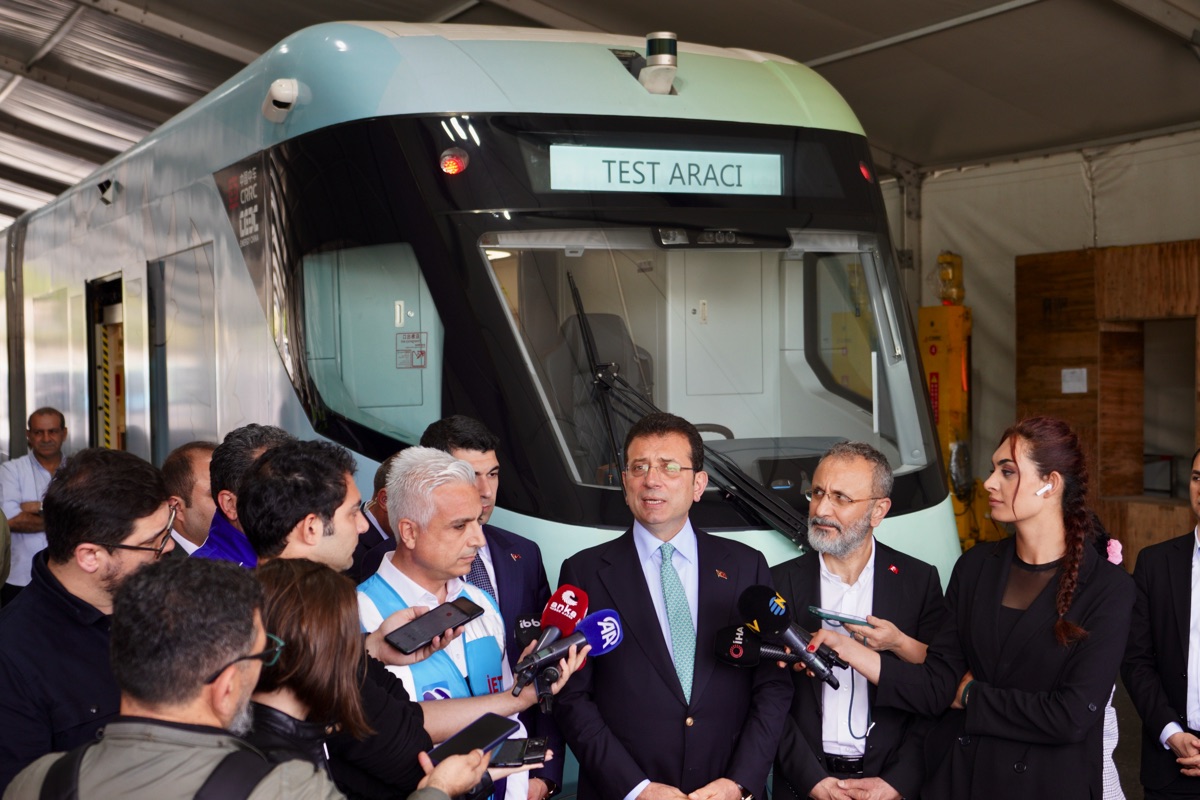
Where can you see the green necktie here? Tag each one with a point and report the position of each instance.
(679, 620)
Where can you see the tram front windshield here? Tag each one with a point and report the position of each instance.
(736, 275)
(774, 352)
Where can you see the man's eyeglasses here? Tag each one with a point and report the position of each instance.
(669, 469)
(269, 657)
(165, 533)
(837, 498)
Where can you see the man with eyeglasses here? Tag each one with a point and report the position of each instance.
(23, 482)
(187, 646)
(106, 515)
(658, 717)
(835, 744)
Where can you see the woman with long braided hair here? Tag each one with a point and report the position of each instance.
(1035, 629)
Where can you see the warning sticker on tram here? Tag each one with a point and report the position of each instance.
(626, 169)
(411, 350)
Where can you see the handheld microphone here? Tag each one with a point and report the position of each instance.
(563, 611)
(600, 629)
(766, 613)
(528, 629)
(740, 647)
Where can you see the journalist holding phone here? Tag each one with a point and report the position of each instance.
(1035, 629)
(838, 740)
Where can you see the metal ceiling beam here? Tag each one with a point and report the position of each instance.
(59, 34)
(222, 45)
(33, 180)
(546, 15)
(153, 114)
(919, 33)
(1181, 17)
(54, 141)
(447, 14)
(7, 210)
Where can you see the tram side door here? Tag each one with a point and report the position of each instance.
(183, 359)
(106, 362)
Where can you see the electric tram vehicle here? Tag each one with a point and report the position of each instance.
(375, 225)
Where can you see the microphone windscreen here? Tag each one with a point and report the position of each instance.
(765, 610)
(602, 630)
(564, 609)
(738, 646)
(529, 628)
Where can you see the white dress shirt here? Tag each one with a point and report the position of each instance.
(686, 560)
(844, 711)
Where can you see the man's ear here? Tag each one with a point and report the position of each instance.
(882, 506)
(88, 557)
(406, 533)
(308, 531)
(227, 502)
(225, 693)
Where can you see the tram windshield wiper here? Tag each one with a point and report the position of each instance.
(739, 488)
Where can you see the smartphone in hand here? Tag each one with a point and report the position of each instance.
(411, 637)
(484, 734)
(839, 617)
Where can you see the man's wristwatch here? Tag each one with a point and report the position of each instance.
(746, 793)
(552, 788)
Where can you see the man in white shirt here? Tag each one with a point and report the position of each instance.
(185, 471)
(835, 745)
(435, 507)
(23, 483)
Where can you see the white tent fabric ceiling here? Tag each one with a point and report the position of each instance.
(936, 83)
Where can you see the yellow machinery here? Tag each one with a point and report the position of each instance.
(944, 339)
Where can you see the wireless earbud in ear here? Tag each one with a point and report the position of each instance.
(1043, 490)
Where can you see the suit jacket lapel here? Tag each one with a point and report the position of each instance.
(622, 576)
(886, 594)
(1179, 570)
(717, 595)
(507, 583)
(807, 584)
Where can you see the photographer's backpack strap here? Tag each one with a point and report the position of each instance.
(235, 776)
(62, 779)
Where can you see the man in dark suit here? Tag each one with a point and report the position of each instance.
(1162, 659)
(508, 567)
(659, 717)
(379, 539)
(834, 740)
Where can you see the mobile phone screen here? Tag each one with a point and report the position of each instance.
(482, 734)
(412, 637)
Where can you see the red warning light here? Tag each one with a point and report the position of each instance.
(454, 161)
(865, 170)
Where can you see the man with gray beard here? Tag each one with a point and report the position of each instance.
(836, 745)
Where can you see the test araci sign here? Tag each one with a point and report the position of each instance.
(626, 169)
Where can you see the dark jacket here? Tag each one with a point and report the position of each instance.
(1156, 657)
(906, 592)
(1033, 726)
(384, 765)
(624, 714)
(281, 737)
(56, 687)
